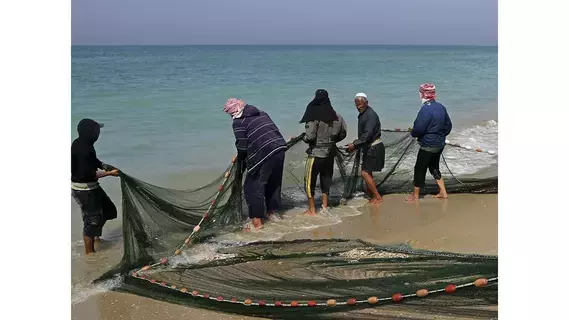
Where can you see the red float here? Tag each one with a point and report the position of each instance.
(262, 303)
(220, 298)
(294, 304)
(397, 297)
(278, 304)
(312, 303)
(352, 301)
(450, 288)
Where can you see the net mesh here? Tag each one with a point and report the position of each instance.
(159, 225)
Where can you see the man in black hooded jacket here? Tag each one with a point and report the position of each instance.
(96, 206)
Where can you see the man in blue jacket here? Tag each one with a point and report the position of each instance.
(260, 143)
(431, 127)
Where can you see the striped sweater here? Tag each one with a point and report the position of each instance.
(257, 137)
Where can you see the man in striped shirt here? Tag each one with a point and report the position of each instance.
(260, 143)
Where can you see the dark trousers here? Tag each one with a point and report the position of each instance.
(96, 208)
(426, 160)
(263, 186)
(318, 166)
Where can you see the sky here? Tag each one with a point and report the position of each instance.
(232, 22)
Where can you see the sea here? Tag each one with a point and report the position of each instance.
(162, 106)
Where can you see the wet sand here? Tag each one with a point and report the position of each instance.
(465, 224)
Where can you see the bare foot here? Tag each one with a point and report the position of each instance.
(309, 213)
(412, 198)
(376, 201)
(257, 223)
(441, 196)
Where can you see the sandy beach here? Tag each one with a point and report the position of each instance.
(464, 223)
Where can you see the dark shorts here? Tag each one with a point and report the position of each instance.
(96, 208)
(373, 159)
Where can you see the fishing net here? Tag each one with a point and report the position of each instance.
(164, 229)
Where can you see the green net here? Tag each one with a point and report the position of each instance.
(165, 230)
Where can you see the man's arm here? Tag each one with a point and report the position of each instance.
(448, 124)
(366, 135)
(240, 133)
(311, 128)
(421, 123)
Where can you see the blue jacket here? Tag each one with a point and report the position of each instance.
(257, 137)
(432, 125)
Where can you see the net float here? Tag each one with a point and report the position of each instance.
(247, 302)
(278, 304)
(187, 240)
(312, 303)
(422, 293)
(195, 293)
(450, 288)
(206, 296)
(173, 286)
(233, 300)
(177, 252)
(220, 298)
(397, 297)
(294, 304)
(331, 303)
(478, 150)
(145, 268)
(197, 228)
(352, 301)
(233, 159)
(164, 260)
(184, 290)
(262, 303)
(481, 282)
(372, 300)
(221, 188)
(227, 174)
(163, 283)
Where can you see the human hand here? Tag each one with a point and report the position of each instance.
(108, 167)
(114, 173)
(350, 147)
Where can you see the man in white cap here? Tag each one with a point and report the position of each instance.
(368, 141)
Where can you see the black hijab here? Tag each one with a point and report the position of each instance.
(320, 108)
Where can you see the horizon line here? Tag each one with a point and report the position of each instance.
(290, 44)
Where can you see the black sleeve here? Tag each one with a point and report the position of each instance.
(367, 134)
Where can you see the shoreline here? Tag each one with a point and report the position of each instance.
(465, 223)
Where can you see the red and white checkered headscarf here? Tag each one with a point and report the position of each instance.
(427, 91)
(234, 107)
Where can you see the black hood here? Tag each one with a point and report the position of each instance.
(250, 111)
(320, 108)
(89, 130)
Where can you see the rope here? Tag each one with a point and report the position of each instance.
(396, 297)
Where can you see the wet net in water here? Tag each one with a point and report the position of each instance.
(305, 278)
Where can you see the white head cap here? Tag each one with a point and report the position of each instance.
(361, 95)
